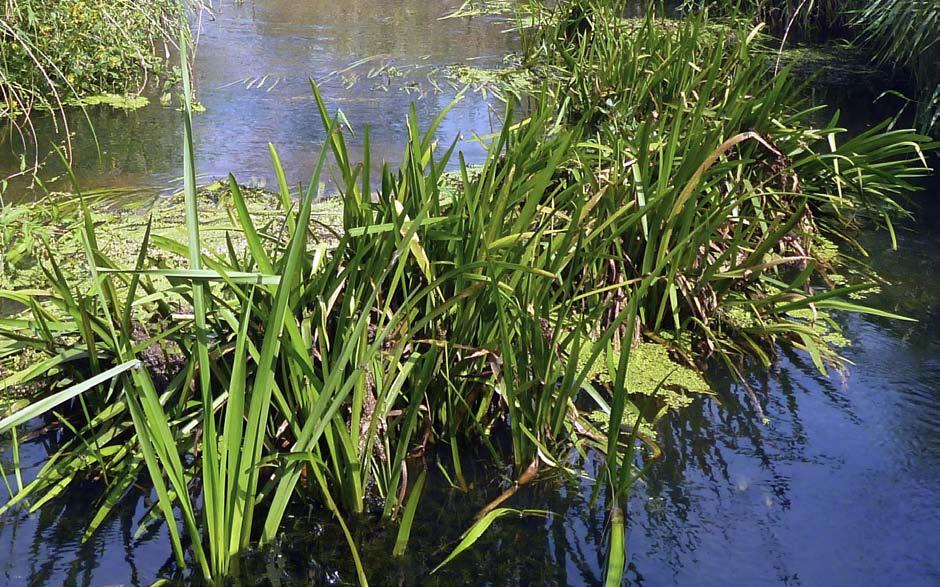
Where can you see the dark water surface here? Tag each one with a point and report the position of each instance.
(841, 488)
(253, 66)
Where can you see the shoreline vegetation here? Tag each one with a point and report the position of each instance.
(845, 38)
(55, 56)
(897, 35)
(665, 202)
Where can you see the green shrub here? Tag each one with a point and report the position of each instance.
(52, 52)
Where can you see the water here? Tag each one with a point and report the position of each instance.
(841, 488)
(253, 67)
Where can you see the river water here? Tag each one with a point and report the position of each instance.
(840, 488)
(254, 63)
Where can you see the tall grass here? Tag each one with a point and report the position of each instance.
(896, 33)
(724, 149)
(640, 199)
(905, 33)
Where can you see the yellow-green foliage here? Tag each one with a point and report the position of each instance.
(651, 372)
(118, 101)
(55, 51)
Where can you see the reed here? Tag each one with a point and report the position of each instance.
(641, 202)
(905, 34)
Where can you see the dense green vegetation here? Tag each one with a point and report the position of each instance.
(900, 34)
(665, 200)
(56, 53)
(905, 34)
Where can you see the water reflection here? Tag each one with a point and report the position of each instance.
(254, 63)
(840, 489)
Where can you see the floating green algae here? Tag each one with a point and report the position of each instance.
(120, 229)
(601, 420)
(510, 79)
(832, 64)
(650, 372)
(117, 101)
(739, 317)
(823, 324)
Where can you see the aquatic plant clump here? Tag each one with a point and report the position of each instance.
(664, 199)
(723, 133)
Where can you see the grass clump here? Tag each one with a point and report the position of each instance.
(724, 145)
(897, 34)
(521, 309)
